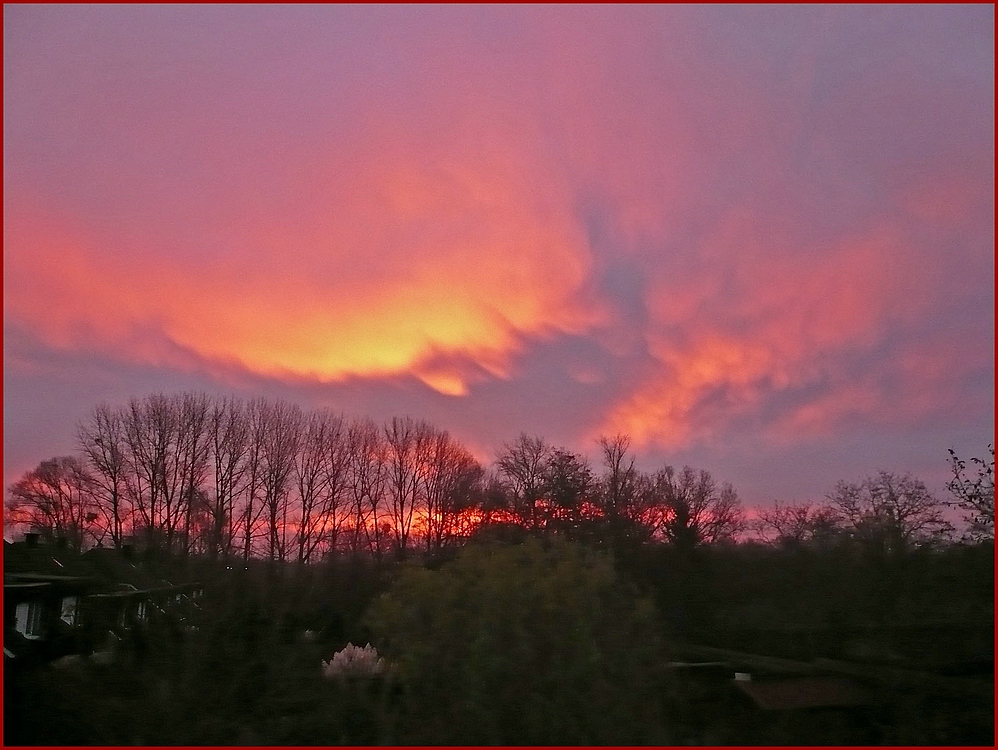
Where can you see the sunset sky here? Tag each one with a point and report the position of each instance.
(759, 240)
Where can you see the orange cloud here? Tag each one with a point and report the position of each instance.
(404, 204)
(410, 263)
(763, 318)
(429, 234)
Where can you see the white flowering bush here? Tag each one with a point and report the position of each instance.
(353, 661)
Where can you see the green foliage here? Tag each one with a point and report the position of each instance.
(522, 644)
(241, 675)
(528, 642)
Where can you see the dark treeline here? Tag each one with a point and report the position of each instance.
(228, 478)
(220, 477)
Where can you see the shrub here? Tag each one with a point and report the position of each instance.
(522, 644)
(353, 661)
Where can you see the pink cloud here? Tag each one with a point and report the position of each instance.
(750, 216)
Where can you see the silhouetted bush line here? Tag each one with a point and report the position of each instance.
(247, 675)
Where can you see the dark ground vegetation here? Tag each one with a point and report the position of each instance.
(523, 638)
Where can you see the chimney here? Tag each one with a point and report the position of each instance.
(31, 538)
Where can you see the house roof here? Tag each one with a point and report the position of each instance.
(805, 692)
(43, 560)
(111, 565)
(12, 584)
(103, 568)
(37, 578)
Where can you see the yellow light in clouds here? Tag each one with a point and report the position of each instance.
(350, 303)
(445, 383)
